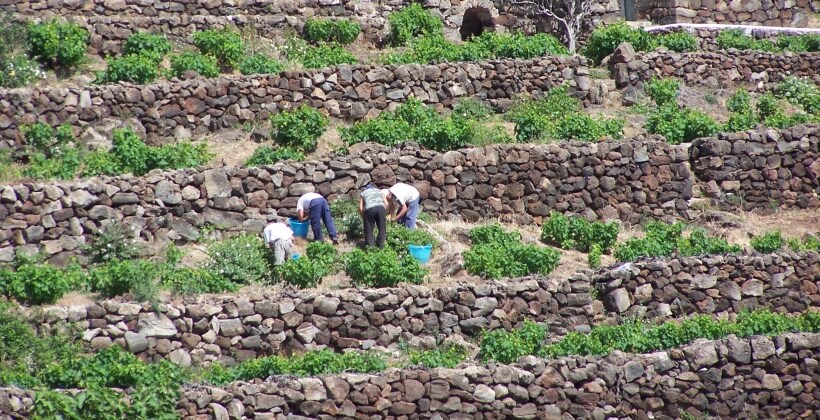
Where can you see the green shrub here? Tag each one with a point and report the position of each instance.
(119, 277)
(312, 363)
(266, 155)
(594, 256)
(223, 44)
(808, 243)
(558, 115)
(345, 212)
(662, 240)
(205, 66)
(799, 43)
(326, 55)
(131, 155)
(298, 129)
(243, 259)
(382, 268)
(508, 346)
(146, 44)
(18, 70)
(323, 252)
(663, 91)
(735, 38)
(47, 141)
(259, 64)
(446, 356)
(304, 272)
(111, 243)
(579, 233)
(679, 41)
(64, 166)
(495, 261)
(768, 242)
(605, 39)
(680, 125)
(133, 68)
(472, 109)
(410, 22)
(58, 44)
(399, 237)
(341, 31)
(194, 281)
(494, 234)
(767, 105)
(800, 92)
(33, 283)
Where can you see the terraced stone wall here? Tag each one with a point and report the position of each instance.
(758, 377)
(522, 183)
(181, 108)
(725, 69)
(752, 12)
(716, 284)
(231, 327)
(761, 168)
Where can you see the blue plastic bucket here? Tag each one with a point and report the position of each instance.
(420, 252)
(299, 229)
(294, 257)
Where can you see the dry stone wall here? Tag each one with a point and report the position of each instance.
(523, 183)
(236, 328)
(715, 284)
(757, 377)
(761, 168)
(793, 13)
(722, 69)
(230, 327)
(181, 108)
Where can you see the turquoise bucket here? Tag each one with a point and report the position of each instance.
(420, 252)
(299, 229)
(294, 257)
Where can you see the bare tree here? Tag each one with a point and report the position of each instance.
(567, 13)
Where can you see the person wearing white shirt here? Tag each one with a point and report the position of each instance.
(408, 198)
(279, 238)
(318, 211)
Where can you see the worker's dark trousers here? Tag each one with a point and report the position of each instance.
(375, 217)
(319, 211)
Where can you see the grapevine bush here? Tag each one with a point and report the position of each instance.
(736, 38)
(146, 44)
(382, 268)
(133, 68)
(242, 259)
(508, 346)
(663, 240)
(399, 237)
(496, 254)
(345, 212)
(341, 31)
(446, 356)
(225, 45)
(205, 66)
(410, 22)
(298, 129)
(579, 233)
(768, 242)
(266, 155)
(260, 64)
(58, 44)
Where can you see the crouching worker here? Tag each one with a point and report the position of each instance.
(407, 197)
(279, 238)
(373, 208)
(318, 211)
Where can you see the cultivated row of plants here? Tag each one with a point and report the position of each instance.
(679, 124)
(496, 253)
(55, 153)
(736, 38)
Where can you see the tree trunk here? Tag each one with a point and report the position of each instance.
(571, 39)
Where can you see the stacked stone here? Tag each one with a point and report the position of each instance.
(182, 108)
(725, 69)
(168, 8)
(758, 377)
(707, 37)
(761, 168)
(610, 180)
(755, 12)
(235, 328)
(715, 284)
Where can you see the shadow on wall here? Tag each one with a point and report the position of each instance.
(475, 22)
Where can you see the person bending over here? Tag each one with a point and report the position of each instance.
(279, 238)
(318, 211)
(373, 207)
(407, 197)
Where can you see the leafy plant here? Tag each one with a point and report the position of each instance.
(768, 242)
(663, 91)
(446, 356)
(663, 239)
(58, 44)
(382, 268)
(496, 253)
(205, 66)
(241, 260)
(266, 155)
(410, 22)
(146, 44)
(259, 64)
(508, 346)
(678, 41)
(680, 125)
(223, 44)
(30, 282)
(341, 31)
(304, 272)
(111, 243)
(399, 237)
(345, 212)
(317, 56)
(578, 233)
(800, 92)
(18, 70)
(134, 68)
(605, 39)
(494, 234)
(298, 129)
(472, 109)
(808, 243)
